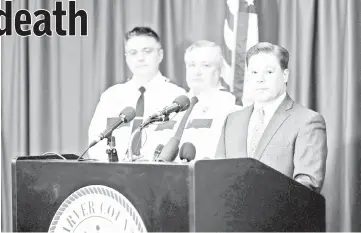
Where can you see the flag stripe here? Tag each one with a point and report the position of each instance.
(241, 34)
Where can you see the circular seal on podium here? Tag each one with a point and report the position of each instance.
(97, 208)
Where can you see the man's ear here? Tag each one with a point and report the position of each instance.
(286, 73)
(161, 54)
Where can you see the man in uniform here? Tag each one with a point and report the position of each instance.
(203, 126)
(147, 92)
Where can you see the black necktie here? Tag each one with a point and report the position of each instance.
(139, 110)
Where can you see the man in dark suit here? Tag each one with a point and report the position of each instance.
(275, 130)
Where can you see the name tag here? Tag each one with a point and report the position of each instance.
(200, 123)
(166, 125)
(111, 121)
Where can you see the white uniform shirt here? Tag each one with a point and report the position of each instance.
(204, 125)
(159, 94)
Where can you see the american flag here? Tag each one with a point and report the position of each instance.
(240, 33)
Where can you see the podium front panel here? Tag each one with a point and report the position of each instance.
(246, 195)
(159, 192)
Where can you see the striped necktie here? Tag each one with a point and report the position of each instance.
(257, 131)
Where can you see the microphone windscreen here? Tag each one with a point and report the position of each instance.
(194, 100)
(129, 114)
(183, 101)
(187, 151)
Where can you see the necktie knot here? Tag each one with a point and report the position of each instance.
(141, 90)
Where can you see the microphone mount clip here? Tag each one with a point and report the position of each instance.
(149, 121)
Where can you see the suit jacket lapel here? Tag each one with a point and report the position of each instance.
(276, 121)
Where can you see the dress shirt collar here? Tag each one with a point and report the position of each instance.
(154, 82)
(206, 95)
(270, 108)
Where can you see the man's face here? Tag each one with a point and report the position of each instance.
(202, 69)
(266, 77)
(143, 55)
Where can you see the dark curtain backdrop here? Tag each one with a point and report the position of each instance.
(51, 85)
(324, 40)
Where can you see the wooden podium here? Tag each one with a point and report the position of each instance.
(204, 196)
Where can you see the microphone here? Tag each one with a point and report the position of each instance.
(127, 115)
(187, 151)
(180, 104)
(170, 150)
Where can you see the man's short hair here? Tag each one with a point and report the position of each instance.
(205, 44)
(141, 31)
(266, 47)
